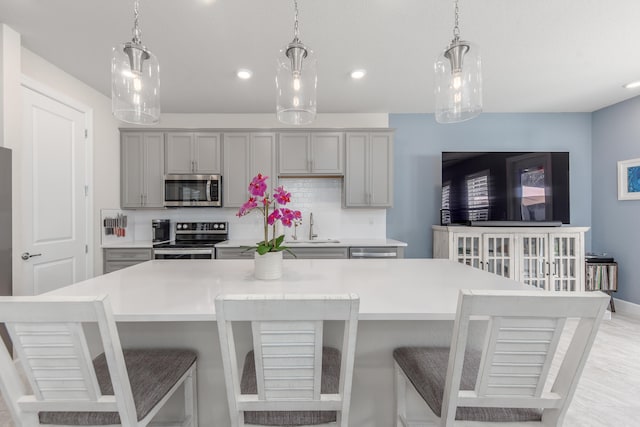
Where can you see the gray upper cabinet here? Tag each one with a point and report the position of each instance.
(142, 170)
(245, 155)
(311, 153)
(369, 171)
(192, 152)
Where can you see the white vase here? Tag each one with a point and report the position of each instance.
(268, 266)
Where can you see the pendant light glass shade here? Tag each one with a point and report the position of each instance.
(458, 89)
(135, 84)
(296, 81)
(135, 80)
(296, 84)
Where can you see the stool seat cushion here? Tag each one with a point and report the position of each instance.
(426, 368)
(329, 384)
(152, 373)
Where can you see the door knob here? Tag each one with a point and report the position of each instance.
(26, 255)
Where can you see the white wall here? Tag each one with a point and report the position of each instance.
(11, 126)
(9, 86)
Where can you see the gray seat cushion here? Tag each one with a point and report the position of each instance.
(329, 384)
(152, 373)
(426, 368)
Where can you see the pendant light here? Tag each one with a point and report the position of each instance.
(458, 89)
(296, 81)
(135, 80)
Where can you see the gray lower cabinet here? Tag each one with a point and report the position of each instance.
(301, 253)
(318, 253)
(234, 253)
(117, 258)
(141, 170)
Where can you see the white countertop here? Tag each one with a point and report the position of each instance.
(393, 289)
(341, 243)
(147, 244)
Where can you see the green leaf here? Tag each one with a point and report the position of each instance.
(279, 240)
(262, 249)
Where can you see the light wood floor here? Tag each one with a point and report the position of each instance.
(609, 390)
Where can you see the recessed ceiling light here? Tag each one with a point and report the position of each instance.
(632, 85)
(244, 74)
(358, 74)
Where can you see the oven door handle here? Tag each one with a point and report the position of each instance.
(183, 251)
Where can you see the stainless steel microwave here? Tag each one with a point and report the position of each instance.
(192, 190)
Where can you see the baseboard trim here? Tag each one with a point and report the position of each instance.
(627, 308)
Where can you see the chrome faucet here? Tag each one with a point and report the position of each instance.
(311, 235)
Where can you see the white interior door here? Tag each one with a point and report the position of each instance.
(53, 201)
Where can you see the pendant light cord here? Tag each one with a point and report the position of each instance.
(456, 28)
(137, 32)
(295, 25)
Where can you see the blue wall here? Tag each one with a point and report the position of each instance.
(419, 141)
(615, 230)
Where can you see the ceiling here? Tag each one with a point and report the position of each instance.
(538, 55)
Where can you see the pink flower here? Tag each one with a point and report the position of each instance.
(289, 216)
(269, 207)
(282, 196)
(273, 217)
(257, 186)
(247, 206)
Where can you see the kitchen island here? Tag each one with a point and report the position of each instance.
(402, 302)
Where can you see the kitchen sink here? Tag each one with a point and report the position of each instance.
(314, 241)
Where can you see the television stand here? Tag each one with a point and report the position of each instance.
(515, 223)
(550, 258)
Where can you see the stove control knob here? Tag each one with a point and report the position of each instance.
(215, 226)
(222, 226)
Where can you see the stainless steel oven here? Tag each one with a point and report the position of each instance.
(192, 190)
(194, 240)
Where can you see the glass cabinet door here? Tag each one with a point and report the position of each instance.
(564, 263)
(468, 249)
(533, 260)
(498, 254)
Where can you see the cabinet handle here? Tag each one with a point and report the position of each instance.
(141, 199)
(548, 269)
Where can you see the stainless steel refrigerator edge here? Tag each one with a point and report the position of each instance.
(5, 229)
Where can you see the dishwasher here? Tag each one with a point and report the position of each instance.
(373, 252)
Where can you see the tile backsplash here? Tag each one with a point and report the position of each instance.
(322, 196)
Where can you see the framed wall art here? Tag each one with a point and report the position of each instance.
(629, 179)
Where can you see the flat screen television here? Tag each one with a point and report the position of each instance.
(504, 188)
